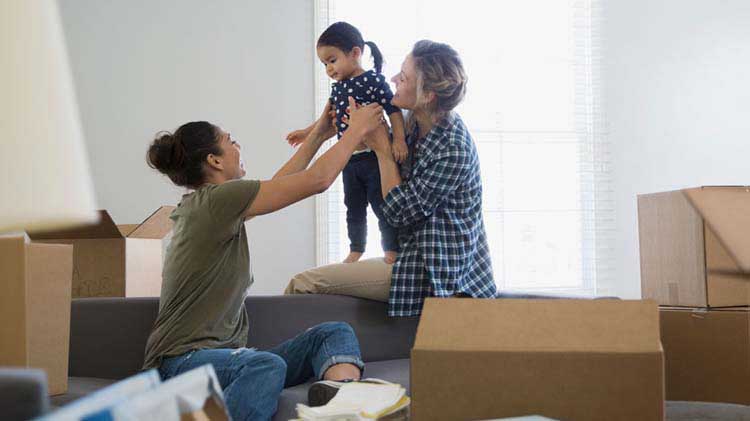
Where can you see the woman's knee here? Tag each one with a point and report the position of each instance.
(300, 283)
(333, 328)
(269, 363)
(257, 385)
(311, 281)
(291, 287)
(273, 362)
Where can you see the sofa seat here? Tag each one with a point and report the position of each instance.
(396, 371)
(79, 387)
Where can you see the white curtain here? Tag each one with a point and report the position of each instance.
(534, 109)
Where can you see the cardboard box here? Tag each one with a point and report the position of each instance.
(112, 261)
(35, 307)
(707, 354)
(213, 409)
(695, 246)
(564, 359)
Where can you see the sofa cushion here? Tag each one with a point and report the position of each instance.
(23, 393)
(694, 411)
(108, 335)
(79, 387)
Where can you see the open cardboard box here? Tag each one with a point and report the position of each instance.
(695, 246)
(35, 307)
(564, 359)
(707, 354)
(112, 261)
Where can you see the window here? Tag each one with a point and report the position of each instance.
(535, 112)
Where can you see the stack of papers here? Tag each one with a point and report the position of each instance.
(358, 401)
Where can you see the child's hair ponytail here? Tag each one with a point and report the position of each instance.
(345, 37)
(377, 56)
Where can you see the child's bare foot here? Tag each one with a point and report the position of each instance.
(353, 257)
(390, 257)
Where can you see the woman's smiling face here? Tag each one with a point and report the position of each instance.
(406, 85)
(231, 156)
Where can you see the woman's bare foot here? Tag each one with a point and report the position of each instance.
(390, 257)
(353, 257)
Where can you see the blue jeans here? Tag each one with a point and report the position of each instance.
(361, 178)
(252, 380)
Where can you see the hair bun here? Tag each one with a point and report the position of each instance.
(181, 155)
(165, 154)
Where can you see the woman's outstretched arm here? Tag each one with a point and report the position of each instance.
(293, 182)
(322, 130)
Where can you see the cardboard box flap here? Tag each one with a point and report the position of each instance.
(126, 229)
(464, 324)
(155, 226)
(725, 210)
(105, 228)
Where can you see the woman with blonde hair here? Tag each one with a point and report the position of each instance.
(434, 199)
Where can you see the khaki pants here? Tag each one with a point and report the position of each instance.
(369, 278)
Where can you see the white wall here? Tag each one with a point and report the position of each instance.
(142, 66)
(675, 73)
(678, 104)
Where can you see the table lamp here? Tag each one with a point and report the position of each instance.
(45, 181)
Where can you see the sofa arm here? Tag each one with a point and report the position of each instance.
(23, 393)
(108, 336)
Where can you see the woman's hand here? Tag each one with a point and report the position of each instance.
(379, 141)
(364, 119)
(325, 127)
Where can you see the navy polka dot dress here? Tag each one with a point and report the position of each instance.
(366, 88)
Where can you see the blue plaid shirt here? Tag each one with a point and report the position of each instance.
(438, 211)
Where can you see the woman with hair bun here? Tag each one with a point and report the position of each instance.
(202, 317)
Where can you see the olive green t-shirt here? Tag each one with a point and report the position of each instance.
(206, 274)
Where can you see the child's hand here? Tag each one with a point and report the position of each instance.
(325, 126)
(400, 150)
(297, 137)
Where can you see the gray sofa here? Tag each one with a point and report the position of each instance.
(108, 336)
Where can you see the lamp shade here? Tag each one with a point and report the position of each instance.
(44, 172)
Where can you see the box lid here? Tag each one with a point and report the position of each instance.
(105, 228)
(464, 324)
(726, 211)
(156, 226)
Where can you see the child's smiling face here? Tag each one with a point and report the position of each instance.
(339, 65)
